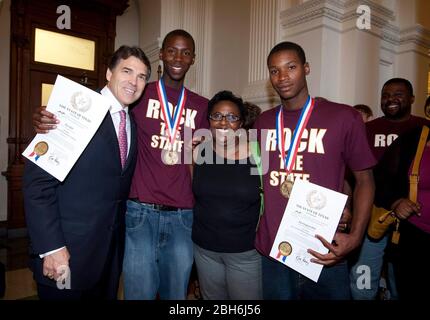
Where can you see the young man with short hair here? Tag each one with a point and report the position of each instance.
(159, 250)
(334, 137)
(397, 97)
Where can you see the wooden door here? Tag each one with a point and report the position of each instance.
(93, 21)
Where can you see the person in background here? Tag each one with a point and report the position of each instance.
(366, 111)
(397, 97)
(367, 115)
(253, 111)
(227, 206)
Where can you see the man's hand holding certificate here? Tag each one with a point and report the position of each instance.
(80, 111)
(311, 210)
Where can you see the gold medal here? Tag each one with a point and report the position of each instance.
(290, 158)
(172, 121)
(41, 148)
(170, 157)
(286, 188)
(285, 248)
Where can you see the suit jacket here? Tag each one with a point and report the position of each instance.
(83, 212)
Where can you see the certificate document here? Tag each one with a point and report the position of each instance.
(80, 111)
(311, 210)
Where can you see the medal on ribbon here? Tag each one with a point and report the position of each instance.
(172, 121)
(290, 158)
(170, 157)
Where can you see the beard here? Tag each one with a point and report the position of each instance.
(399, 114)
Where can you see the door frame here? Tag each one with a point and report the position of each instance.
(94, 19)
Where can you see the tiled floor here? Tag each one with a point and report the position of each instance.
(20, 285)
(19, 279)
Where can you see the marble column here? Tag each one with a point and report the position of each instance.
(263, 36)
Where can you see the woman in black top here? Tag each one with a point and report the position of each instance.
(227, 206)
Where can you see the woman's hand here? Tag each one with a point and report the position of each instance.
(404, 208)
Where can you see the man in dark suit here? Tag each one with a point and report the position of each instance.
(76, 227)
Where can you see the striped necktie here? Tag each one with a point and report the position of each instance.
(122, 138)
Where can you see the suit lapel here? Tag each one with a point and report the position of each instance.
(107, 130)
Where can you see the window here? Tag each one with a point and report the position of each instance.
(64, 50)
(46, 93)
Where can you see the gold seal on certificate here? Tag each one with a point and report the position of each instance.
(170, 157)
(41, 148)
(285, 248)
(286, 188)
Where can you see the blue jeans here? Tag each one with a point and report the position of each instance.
(158, 253)
(229, 276)
(371, 257)
(283, 283)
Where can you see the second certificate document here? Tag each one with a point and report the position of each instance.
(311, 210)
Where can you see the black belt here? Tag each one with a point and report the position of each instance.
(155, 206)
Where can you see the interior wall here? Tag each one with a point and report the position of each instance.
(150, 13)
(128, 26)
(325, 84)
(423, 10)
(4, 100)
(348, 65)
(230, 46)
(411, 67)
(424, 20)
(409, 12)
(150, 29)
(408, 63)
(312, 42)
(359, 75)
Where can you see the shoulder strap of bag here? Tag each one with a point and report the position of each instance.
(255, 152)
(414, 177)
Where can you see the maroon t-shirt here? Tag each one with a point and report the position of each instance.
(334, 138)
(381, 132)
(154, 181)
